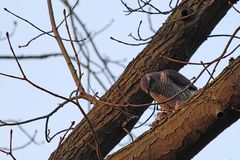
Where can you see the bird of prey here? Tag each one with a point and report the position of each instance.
(167, 84)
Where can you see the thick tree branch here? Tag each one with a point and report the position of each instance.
(199, 121)
(178, 38)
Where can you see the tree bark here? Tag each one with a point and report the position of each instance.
(199, 121)
(180, 36)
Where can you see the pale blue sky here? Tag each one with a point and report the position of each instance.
(21, 101)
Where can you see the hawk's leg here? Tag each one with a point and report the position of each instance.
(166, 109)
(160, 115)
(177, 106)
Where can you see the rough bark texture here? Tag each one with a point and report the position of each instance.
(199, 121)
(177, 39)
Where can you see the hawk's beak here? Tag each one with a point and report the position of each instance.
(148, 91)
(148, 81)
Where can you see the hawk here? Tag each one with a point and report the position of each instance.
(165, 85)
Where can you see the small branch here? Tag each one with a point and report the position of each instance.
(39, 29)
(64, 136)
(207, 71)
(139, 35)
(223, 35)
(30, 137)
(63, 49)
(126, 43)
(73, 47)
(9, 153)
(19, 66)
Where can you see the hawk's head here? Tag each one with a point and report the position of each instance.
(147, 82)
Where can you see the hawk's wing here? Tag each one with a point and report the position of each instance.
(179, 79)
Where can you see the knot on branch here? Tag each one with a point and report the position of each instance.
(187, 14)
(219, 114)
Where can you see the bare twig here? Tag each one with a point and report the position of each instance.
(9, 153)
(63, 49)
(144, 4)
(139, 35)
(64, 136)
(30, 137)
(39, 29)
(73, 47)
(126, 43)
(207, 71)
(224, 52)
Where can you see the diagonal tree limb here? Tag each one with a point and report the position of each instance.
(178, 38)
(200, 120)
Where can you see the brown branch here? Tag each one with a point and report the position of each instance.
(63, 49)
(19, 66)
(205, 67)
(127, 43)
(73, 47)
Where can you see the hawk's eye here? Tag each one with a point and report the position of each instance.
(151, 82)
